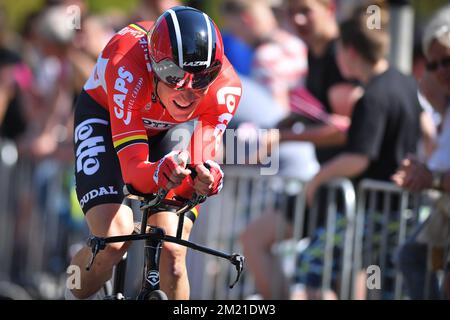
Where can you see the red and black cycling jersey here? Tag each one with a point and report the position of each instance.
(122, 83)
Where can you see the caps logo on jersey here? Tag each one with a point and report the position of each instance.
(120, 94)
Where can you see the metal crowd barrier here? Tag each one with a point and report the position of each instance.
(36, 226)
(378, 220)
(385, 216)
(35, 234)
(221, 220)
(342, 188)
(7, 172)
(246, 194)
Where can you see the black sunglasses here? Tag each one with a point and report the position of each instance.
(433, 65)
(175, 77)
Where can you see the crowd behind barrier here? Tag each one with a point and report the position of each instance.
(363, 229)
(350, 244)
(41, 222)
(41, 225)
(386, 215)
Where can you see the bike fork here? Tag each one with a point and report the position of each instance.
(117, 289)
(119, 275)
(151, 278)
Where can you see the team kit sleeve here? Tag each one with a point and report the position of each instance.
(125, 87)
(208, 133)
(217, 112)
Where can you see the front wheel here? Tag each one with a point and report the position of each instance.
(153, 295)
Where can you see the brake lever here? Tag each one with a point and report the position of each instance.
(96, 244)
(196, 199)
(160, 196)
(162, 193)
(238, 261)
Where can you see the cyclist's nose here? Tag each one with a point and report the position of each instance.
(189, 95)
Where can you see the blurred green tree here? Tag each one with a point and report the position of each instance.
(17, 10)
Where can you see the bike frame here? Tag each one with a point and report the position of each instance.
(154, 239)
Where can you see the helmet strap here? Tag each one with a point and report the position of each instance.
(155, 96)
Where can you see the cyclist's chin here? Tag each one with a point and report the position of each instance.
(181, 113)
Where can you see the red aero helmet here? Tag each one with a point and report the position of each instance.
(186, 48)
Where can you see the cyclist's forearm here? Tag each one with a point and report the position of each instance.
(204, 144)
(139, 173)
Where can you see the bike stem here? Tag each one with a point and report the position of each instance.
(154, 239)
(153, 246)
(157, 235)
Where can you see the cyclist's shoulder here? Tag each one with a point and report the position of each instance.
(130, 44)
(227, 75)
(134, 31)
(224, 93)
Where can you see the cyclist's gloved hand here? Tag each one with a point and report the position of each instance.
(171, 170)
(209, 179)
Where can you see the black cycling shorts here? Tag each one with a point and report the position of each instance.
(98, 177)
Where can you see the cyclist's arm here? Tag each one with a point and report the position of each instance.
(203, 146)
(204, 143)
(207, 136)
(215, 114)
(128, 132)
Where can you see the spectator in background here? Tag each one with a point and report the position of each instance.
(297, 162)
(416, 176)
(279, 60)
(238, 52)
(49, 133)
(333, 97)
(44, 101)
(12, 121)
(47, 142)
(86, 46)
(14, 78)
(315, 23)
(385, 121)
(150, 10)
(429, 119)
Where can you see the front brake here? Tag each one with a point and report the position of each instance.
(238, 261)
(96, 244)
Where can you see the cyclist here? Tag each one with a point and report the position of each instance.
(150, 77)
